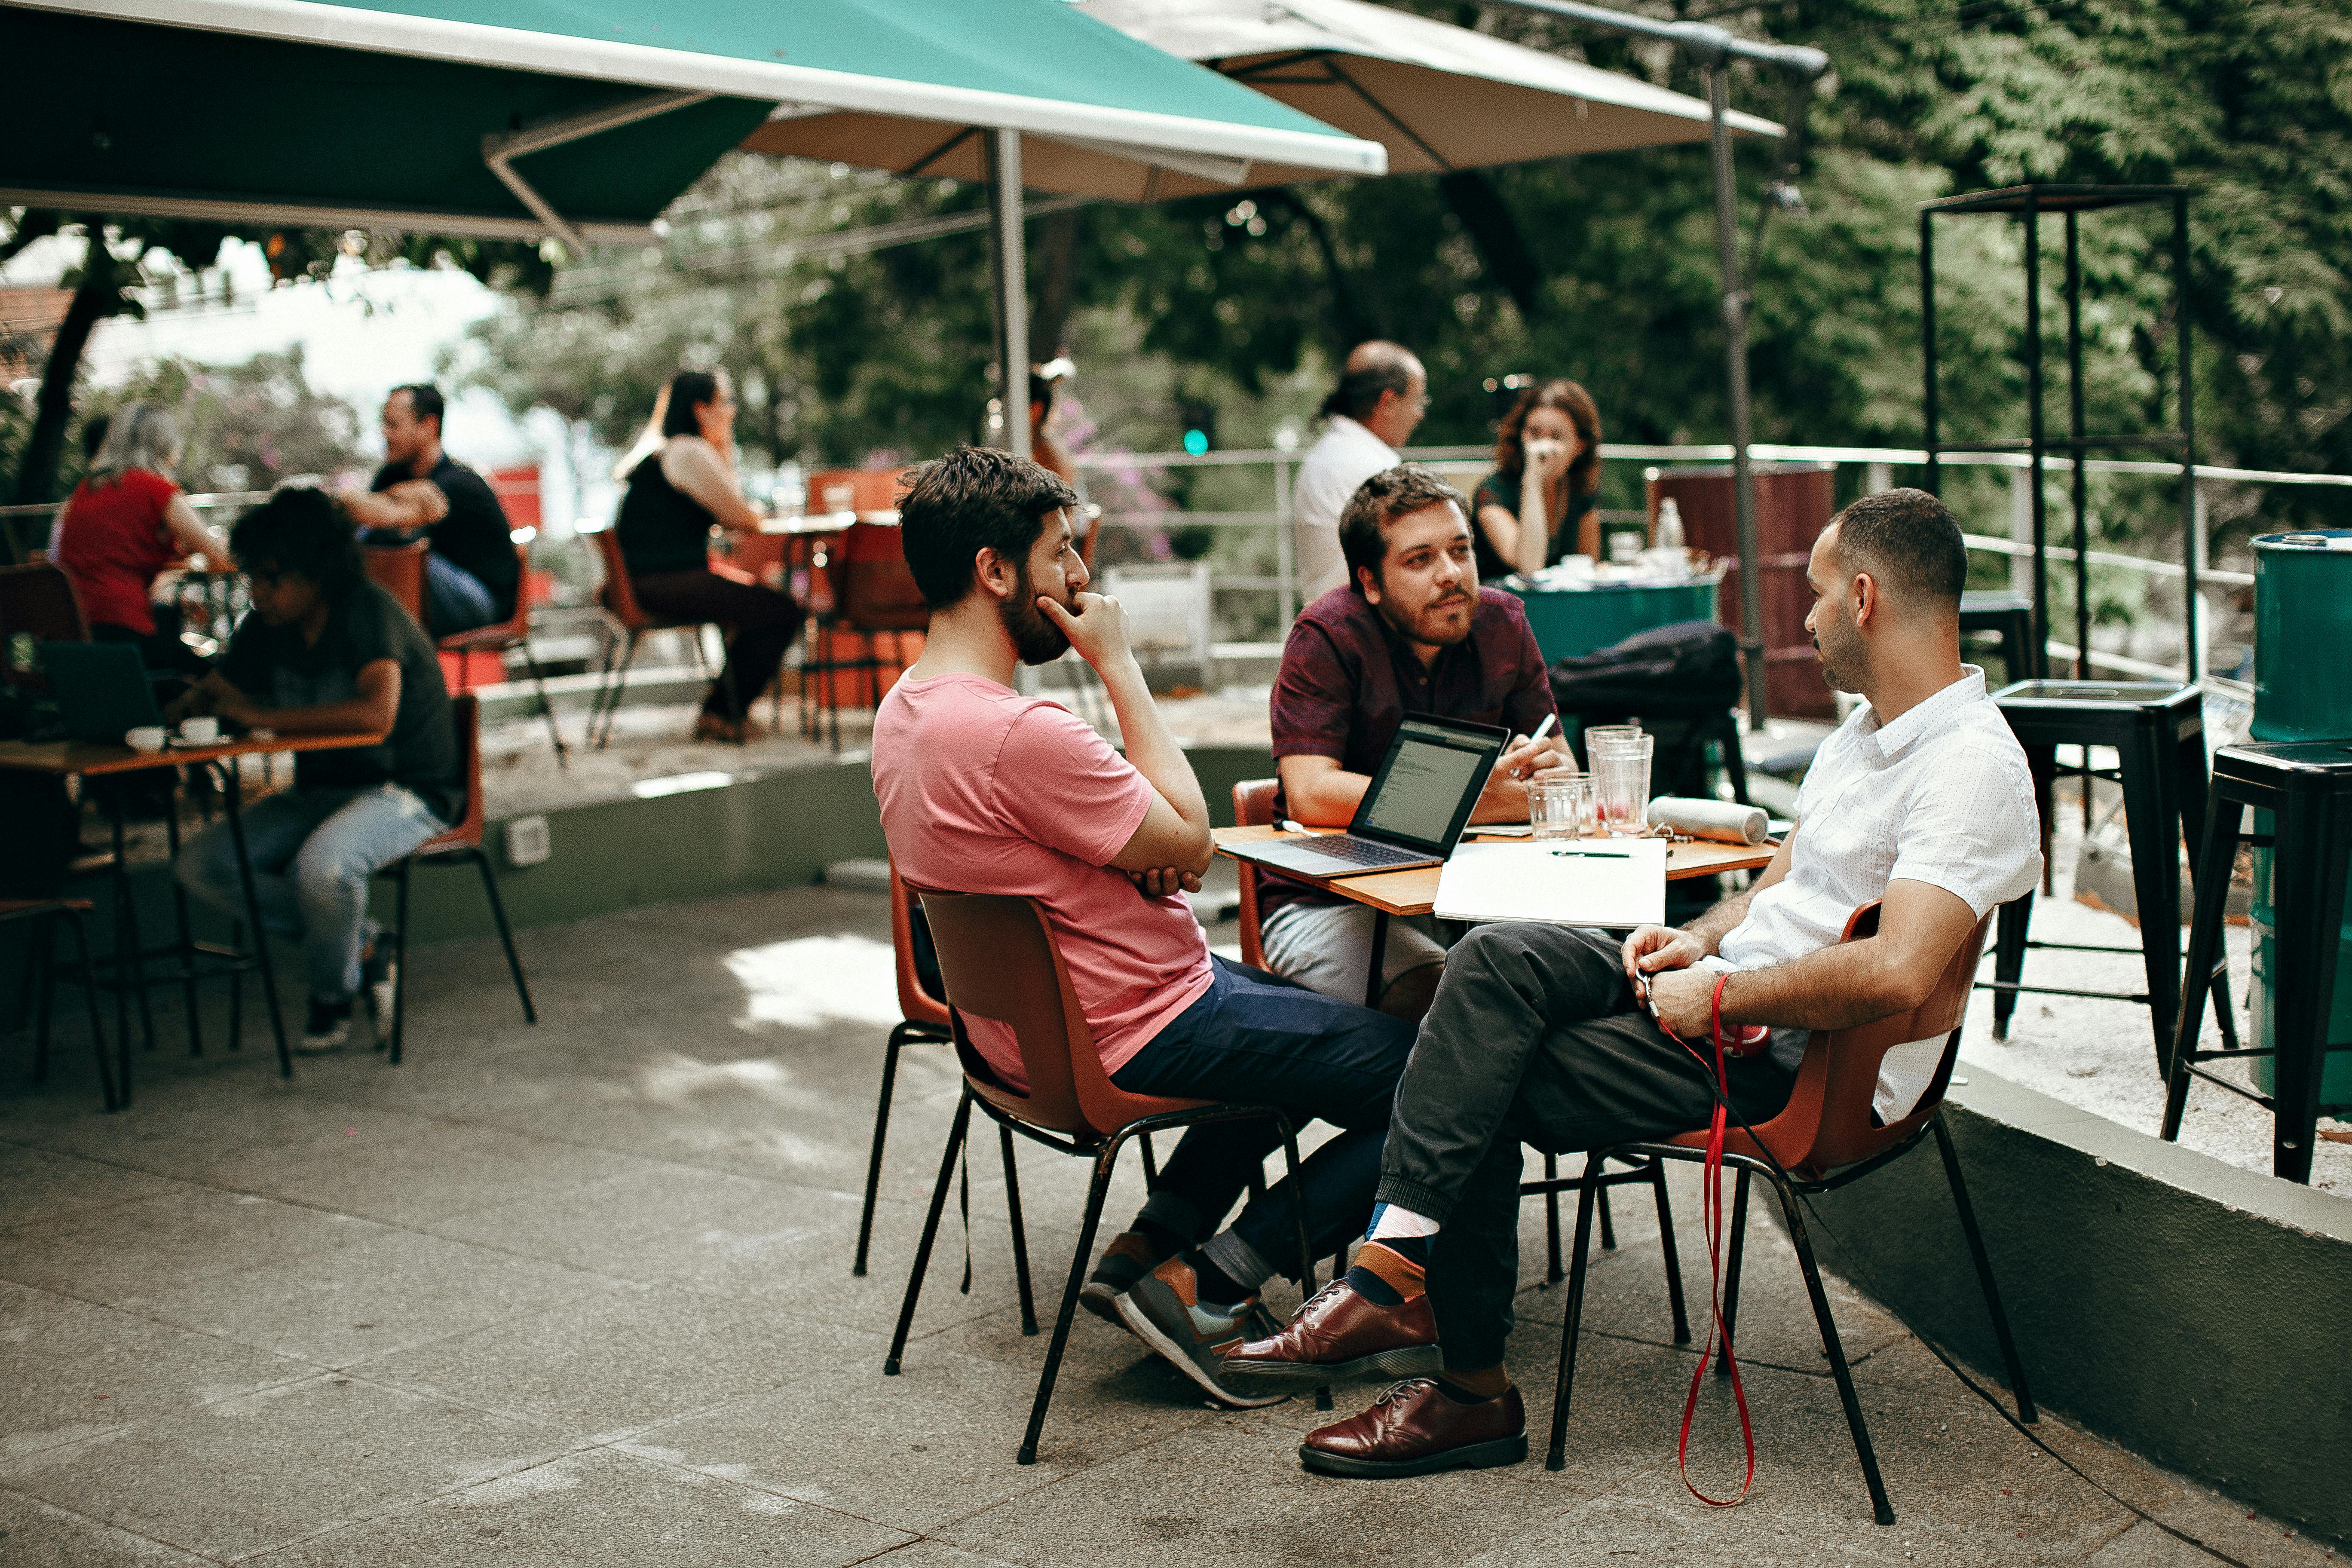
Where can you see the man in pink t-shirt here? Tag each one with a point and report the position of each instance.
(984, 790)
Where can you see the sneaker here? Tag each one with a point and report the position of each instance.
(329, 1026)
(1128, 1258)
(1163, 1310)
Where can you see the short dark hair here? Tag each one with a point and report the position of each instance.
(688, 390)
(974, 499)
(1358, 392)
(1380, 501)
(425, 401)
(1909, 542)
(303, 531)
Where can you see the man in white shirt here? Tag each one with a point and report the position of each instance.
(1381, 395)
(1556, 1037)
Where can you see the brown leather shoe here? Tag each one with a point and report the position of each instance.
(1415, 1429)
(1338, 1333)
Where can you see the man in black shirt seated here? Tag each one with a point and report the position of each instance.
(325, 651)
(472, 576)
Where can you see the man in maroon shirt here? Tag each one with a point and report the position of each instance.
(1411, 632)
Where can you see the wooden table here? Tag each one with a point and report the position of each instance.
(94, 760)
(1414, 892)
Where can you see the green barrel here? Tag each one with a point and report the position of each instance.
(2302, 691)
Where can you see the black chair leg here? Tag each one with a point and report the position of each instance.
(1608, 1229)
(1151, 1165)
(1553, 1273)
(1020, 1236)
(1556, 1459)
(618, 688)
(1672, 1258)
(1097, 1191)
(2025, 1410)
(1306, 1245)
(115, 1099)
(2218, 854)
(1731, 1268)
(874, 1160)
(930, 1233)
(41, 960)
(1880, 1509)
(554, 732)
(2009, 959)
(506, 933)
(400, 959)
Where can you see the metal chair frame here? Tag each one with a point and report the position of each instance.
(514, 632)
(41, 960)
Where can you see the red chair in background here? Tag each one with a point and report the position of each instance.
(37, 602)
(514, 632)
(621, 601)
(1822, 1139)
(873, 596)
(399, 569)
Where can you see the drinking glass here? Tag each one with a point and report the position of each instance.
(1621, 771)
(1561, 807)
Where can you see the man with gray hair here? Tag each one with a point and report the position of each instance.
(1381, 395)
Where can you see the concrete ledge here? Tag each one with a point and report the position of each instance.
(2192, 1312)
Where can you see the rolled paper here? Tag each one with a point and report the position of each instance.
(1724, 820)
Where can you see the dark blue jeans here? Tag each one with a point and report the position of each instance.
(1258, 1038)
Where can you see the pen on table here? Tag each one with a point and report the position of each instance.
(1598, 854)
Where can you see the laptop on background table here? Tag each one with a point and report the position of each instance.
(101, 690)
(1428, 782)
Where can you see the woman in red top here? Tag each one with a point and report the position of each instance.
(123, 525)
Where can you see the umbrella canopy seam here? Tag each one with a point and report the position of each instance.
(432, 37)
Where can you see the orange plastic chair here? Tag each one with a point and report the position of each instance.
(399, 570)
(1822, 1139)
(923, 1017)
(620, 599)
(873, 596)
(459, 846)
(39, 601)
(512, 632)
(999, 962)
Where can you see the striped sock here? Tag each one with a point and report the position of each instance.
(1391, 1273)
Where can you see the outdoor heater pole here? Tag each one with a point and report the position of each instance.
(1012, 289)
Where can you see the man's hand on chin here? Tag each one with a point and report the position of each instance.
(1683, 1001)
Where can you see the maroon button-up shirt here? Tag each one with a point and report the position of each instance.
(1348, 679)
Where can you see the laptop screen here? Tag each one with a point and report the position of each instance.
(1418, 794)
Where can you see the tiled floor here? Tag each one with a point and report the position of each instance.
(580, 1294)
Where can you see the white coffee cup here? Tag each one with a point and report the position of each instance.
(145, 738)
(200, 732)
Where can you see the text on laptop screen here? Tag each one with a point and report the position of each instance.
(1433, 768)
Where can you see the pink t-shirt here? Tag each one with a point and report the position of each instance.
(986, 791)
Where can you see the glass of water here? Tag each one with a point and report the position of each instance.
(1621, 773)
(1561, 807)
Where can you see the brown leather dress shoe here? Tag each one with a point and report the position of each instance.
(1340, 1333)
(1415, 1429)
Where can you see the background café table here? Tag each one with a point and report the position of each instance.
(1572, 619)
(1414, 892)
(64, 757)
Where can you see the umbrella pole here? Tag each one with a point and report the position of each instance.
(1735, 337)
(1012, 289)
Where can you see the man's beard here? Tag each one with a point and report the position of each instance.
(1035, 639)
(1845, 662)
(1411, 628)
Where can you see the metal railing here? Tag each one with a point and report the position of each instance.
(1879, 463)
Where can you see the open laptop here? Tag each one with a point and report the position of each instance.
(100, 689)
(1428, 781)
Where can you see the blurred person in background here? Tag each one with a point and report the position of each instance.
(126, 524)
(1381, 395)
(472, 576)
(1537, 504)
(678, 491)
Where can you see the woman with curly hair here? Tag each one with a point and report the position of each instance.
(1537, 506)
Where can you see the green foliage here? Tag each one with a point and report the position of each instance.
(248, 426)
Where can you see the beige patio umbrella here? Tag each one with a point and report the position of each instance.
(1437, 96)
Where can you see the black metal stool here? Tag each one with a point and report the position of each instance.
(2307, 785)
(2009, 617)
(2158, 731)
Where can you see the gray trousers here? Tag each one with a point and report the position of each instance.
(1534, 1038)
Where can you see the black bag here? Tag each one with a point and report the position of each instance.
(1679, 680)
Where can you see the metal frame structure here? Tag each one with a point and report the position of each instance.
(2027, 204)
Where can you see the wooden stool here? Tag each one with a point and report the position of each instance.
(2158, 731)
(2307, 785)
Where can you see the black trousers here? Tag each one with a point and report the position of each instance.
(1534, 1038)
(765, 624)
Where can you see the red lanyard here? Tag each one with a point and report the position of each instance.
(1712, 1197)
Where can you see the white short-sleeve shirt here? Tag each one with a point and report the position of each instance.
(1941, 796)
(1341, 459)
